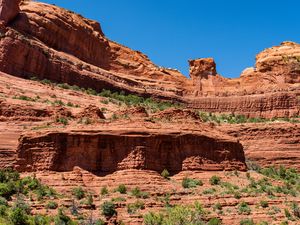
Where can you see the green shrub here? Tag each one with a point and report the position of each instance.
(78, 192)
(215, 180)
(165, 174)
(134, 207)
(18, 217)
(153, 218)
(118, 199)
(7, 190)
(264, 204)
(237, 195)
(51, 205)
(191, 183)
(122, 189)
(108, 209)
(104, 191)
(3, 210)
(243, 208)
(3, 201)
(209, 191)
(287, 214)
(214, 221)
(62, 218)
(139, 194)
(90, 200)
(62, 120)
(247, 222)
(217, 206)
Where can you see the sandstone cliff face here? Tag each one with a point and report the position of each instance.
(269, 144)
(9, 9)
(55, 44)
(137, 149)
(268, 105)
(51, 43)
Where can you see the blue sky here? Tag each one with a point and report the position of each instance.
(171, 32)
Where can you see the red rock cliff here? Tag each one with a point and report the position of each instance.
(137, 149)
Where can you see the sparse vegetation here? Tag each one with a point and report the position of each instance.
(239, 119)
(104, 191)
(139, 194)
(215, 180)
(243, 208)
(78, 192)
(51, 205)
(62, 120)
(264, 203)
(191, 183)
(134, 207)
(122, 189)
(184, 215)
(108, 209)
(165, 174)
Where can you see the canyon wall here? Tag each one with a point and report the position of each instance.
(268, 144)
(110, 151)
(48, 42)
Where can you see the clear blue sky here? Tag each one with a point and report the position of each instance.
(171, 32)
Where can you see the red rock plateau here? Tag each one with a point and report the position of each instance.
(56, 121)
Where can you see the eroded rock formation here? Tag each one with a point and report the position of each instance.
(9, 9)
(108, 151)
(56, 44)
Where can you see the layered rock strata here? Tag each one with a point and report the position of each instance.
(129, 149)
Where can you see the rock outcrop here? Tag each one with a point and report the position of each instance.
(269, 144)
(108, 151)
(48, 42)
(56, 44)
(9, 9)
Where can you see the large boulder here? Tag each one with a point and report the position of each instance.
(9, 9)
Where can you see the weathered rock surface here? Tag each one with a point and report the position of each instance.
(51, 43)
(269, 105)
(9, 9)
(108, 151)
(269, 144)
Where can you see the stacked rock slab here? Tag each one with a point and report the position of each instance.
(109, 151)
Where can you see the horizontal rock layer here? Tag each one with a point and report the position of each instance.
(48, 42)
(269, 144)
(282, 104)
(110, 151)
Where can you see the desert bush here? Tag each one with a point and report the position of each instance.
(217, 206)
(19, 217)
(51, 205)
(62, 120)
(243, 208)
(165, 174)
(214, 221)
(247, 222)
(191, 183)
(108, 209)
(138, 193)
(153, 218)
(122, 189)
(209, 191)
(62, 218)
(264, 204)
(104, 191)
(78, 192)
(215, 180)
(134, 207)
